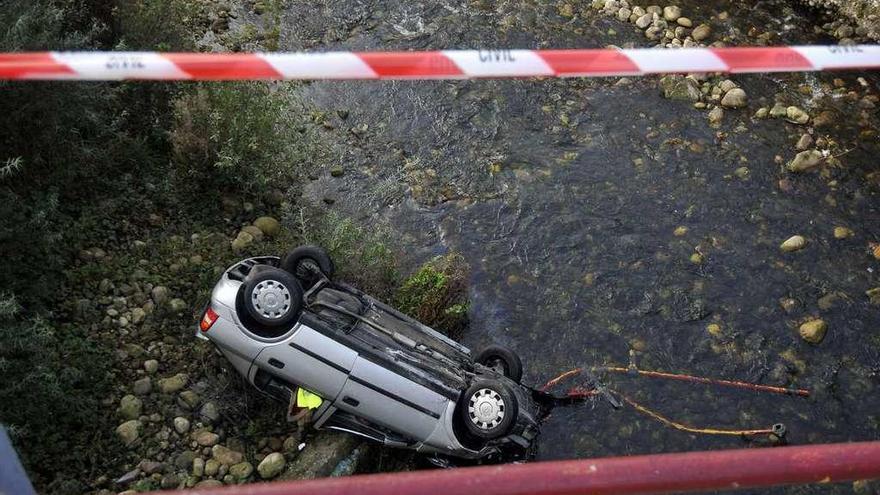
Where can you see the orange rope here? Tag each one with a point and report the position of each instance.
(709, 381)
(679, 426)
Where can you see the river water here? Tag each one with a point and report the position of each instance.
(565, 196)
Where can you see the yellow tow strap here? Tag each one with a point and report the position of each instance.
(306, 399)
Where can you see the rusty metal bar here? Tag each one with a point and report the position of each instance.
(643, 474)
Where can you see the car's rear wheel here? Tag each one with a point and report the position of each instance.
(489, 409)
(307, 264)
(272, 297)
(502, 360)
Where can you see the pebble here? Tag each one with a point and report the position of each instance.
(173, 384)
(226, 455)
(185, 459)
(242, 470)
(813, 331)
(680, 231)
(151, 366)
(268, 225)
(684, 22)
(778, 111)
(804, 142)
(842, 232)
(793, 243)
(644, 21)
(241, 242)
(129, 431)
(160, 294)
(138, 315)
(210, 412)
(206, 438)
(701, 32)
(198, 467)
(271, 466)
(742, 173)
(181, 425)
(212, 466)
(805, 161)
(715, 116)
(177, 305)
(762, 113)
(623, 14)
(671, 13)
(735, 98)
(130, 407)
(796, 115)
(256, 233)
(142, 386)
(714, 329)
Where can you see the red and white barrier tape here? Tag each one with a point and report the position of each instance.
(447, 64)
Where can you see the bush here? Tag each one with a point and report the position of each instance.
(237, 136)
(361, 255)
(51, 383)
(436, 294)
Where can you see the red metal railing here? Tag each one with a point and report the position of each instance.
(661, 473)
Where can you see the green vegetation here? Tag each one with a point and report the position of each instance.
(436, 294)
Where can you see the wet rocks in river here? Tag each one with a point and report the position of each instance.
(813, 331)
(680, 88)
(796, 115)
(805, 161)
(271, 466)
(779, 111)
(793, 243)
(842, 232)
(716, 115)
(735, 98)
(804, 142)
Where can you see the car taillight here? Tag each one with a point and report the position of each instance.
(208, 319)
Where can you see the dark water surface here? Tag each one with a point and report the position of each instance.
(564, 195)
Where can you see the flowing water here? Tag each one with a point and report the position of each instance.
(564, 195)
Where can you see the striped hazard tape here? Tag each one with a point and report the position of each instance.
(446, 64)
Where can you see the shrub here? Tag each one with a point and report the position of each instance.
(51, 383)
(436, 294)
(237, 136)
(362, 256)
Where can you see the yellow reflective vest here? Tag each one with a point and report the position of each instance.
(306, 399)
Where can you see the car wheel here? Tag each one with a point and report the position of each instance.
(502, 360)
(489, 409)
(307, 263)
(272, 297)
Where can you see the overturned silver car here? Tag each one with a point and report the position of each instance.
(285, 323)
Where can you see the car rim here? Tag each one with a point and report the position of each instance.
(498, 366)
(271, 299)
(307, 269)
(486, 409)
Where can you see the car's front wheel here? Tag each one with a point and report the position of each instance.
(489, 409)
(272, 297)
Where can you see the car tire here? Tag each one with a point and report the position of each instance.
(488, 409)
(297, 261)
(272, 297)
(503, 360)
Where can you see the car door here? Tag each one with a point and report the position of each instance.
(310, 360)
